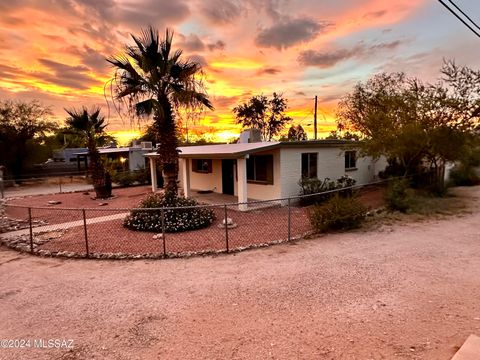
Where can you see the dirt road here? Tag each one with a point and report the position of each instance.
(407, 291)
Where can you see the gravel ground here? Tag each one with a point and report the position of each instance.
(402, 291)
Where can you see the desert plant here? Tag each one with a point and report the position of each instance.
(398, 196)
(313, 188)
(338, 213)
(180, 214)
(152, 79)
(124, 178)
(91, 125)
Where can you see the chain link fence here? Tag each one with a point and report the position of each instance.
(101, 232)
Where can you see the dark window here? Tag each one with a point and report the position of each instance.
(202, 165)
(309, 165)
(350, 160)
(260, 169)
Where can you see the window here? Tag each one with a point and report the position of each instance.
(260, 169)
(202, 166)
(350, 160)
(309, 165)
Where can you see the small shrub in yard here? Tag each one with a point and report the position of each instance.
(338, 213)
(397, 195)
(314, 187)
(176, 220)
(123, 179)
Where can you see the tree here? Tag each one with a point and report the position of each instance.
(342, 135)
(92, 126)
(296, 133)
(156, 80)
(22, 125)
(266, 115)
(411, 122)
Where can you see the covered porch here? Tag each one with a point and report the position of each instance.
(214, 173)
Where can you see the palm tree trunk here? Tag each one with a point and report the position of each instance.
(167, 147)
(100, 179)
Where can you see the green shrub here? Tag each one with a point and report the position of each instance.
(176, 220)
(314, 187)
(397, 195)
(142, 176)
(338, 213)
(463, 175)
(123, 179)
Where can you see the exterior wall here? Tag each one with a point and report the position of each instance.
(266, 191)
(331, 164)
(213, 180)
(136, 160)
(287, 172)
(207, 181)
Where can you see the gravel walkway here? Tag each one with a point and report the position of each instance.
(405, 291)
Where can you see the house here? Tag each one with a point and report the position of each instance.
(132, 158)
(268, 170)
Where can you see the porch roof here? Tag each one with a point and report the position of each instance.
(222, 151)
(239, 150)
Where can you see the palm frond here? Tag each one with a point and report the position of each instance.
(146, 107)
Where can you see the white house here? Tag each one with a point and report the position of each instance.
(268, 170)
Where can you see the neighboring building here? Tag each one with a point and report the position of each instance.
(132, 158)
(269, 170)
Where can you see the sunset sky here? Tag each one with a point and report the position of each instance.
(54, 50)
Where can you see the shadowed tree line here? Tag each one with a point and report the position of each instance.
(416, 124)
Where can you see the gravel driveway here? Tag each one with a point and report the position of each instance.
(404, 291)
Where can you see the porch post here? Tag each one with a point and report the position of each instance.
(242, 183)
(153, 173)
(186, 176)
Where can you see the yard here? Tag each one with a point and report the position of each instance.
(399, 291)
(108, 236)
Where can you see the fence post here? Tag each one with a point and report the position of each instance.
(289, 220)
(163, 233)
(85, 231)
(31, 228)
(226, 228)
(60, 183)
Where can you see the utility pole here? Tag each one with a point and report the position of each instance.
(315, 119)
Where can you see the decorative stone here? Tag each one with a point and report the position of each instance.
(157, 236)
(229, 221)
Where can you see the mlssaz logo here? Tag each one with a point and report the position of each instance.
(53, 343)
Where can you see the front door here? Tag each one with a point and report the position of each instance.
(228, 176)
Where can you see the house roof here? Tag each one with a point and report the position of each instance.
(112, 150)
(232, 151)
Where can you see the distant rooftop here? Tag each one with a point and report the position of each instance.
(113, 150)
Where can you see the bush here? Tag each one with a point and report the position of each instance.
(176, 220)
(398, 196)
(142, 176)
(338, 213)
(123, 179)
(462, 175)
(314, 187)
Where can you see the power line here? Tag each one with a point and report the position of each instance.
(464, 14)
(459, 18)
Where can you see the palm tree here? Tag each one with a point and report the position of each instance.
(154, 79)
(92, 127)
